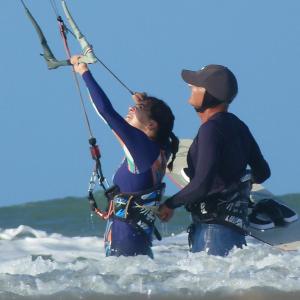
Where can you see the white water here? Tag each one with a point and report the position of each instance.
(35, 263)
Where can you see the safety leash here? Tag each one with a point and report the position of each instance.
(115, 76)
(87, 57)
(97, 174)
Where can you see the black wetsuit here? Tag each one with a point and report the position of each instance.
(217, 159)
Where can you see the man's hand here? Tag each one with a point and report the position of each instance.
(165, 213)
(78, 67)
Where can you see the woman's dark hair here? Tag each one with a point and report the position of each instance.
(162, 114)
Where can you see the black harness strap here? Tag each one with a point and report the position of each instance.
(134, 209)
(224, 207)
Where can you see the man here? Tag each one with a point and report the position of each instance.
(217, 194)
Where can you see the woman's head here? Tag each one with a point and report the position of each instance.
(155, 118)
(139, 116)
(162, 114)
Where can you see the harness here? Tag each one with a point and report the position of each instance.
(137, 209)
(229, 207)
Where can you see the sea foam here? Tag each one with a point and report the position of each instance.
(34, 263)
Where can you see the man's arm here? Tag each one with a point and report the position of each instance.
(259, 167)
(207, 161)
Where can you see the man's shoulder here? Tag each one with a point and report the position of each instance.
(222, 125)
(227, 118)
(209, 128)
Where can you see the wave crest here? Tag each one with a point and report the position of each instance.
(21, 232)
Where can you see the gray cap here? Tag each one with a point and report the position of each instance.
(218, 80)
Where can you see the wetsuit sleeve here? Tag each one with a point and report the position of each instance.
(141, 149)
(259, 167)
(208, 157)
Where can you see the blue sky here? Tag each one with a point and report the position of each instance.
(44, 148)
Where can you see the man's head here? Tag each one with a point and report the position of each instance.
(211, 86)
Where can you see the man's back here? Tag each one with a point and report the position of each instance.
(222, 149)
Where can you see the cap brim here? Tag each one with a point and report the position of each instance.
(191, 77)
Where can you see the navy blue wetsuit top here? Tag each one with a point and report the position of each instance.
(218, 157)
(144, 164)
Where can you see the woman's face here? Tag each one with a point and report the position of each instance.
(139, 115)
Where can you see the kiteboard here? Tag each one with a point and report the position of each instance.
(284, 235)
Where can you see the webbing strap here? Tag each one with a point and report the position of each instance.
(95, 152)
(68, 52)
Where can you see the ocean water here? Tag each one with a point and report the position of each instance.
(54, 250)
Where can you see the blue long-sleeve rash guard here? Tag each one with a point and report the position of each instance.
(144, 163)
(218, 157)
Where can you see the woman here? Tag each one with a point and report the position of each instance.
(148, 141)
